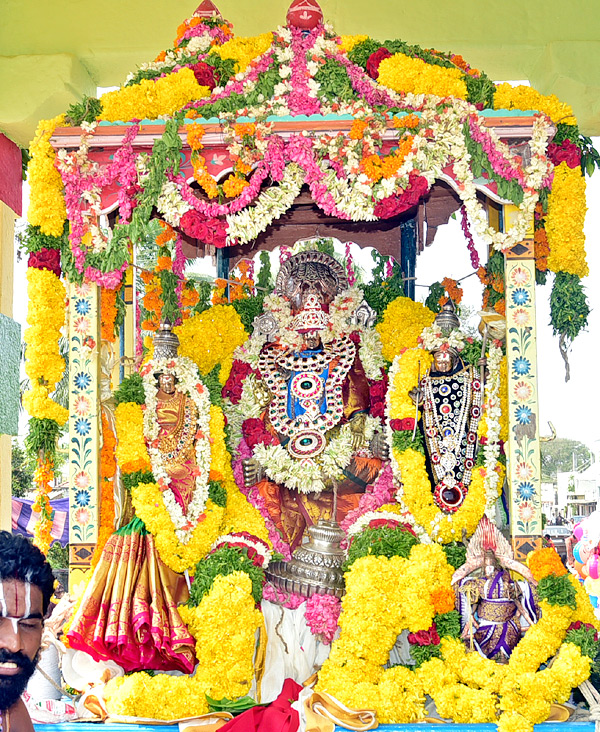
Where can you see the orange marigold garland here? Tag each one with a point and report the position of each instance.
(108, 467)
(43, 476)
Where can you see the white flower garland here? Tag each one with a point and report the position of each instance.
(259, 546)
(189, 383)
(491, 414)
(309, 476)
(432, 338)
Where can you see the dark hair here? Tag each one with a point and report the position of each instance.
(21, 560)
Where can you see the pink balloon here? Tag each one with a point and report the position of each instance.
(578, 532)
(593, 567)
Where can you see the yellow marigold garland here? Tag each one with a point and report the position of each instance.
(224, 627)
(402, 324)
(211, 337)
(108, 465)
(156, 697)
(244, 50)
(565, 220)
(412, 75)
(347, 43)
(132, 455)
(149, 99)
(46, 201)
(526, 98)
(465, 686)
(44, 365)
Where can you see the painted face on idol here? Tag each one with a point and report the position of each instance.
(442, 361)
(167, 383)
(21, 623)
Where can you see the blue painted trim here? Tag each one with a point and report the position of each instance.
(312, 118)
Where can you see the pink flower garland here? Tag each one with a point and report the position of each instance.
(464, 222)
(256, 500)
(122, 169)
(300, 100)
(322, 614)
(500, 164)
(290, 600)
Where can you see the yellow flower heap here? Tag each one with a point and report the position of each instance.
(386, 595)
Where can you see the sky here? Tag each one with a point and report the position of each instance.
(573, 407)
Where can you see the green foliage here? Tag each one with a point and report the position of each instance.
(249, 308)
(130, 480)
(224, 561)
(22, 471)
(481, 166)
(168, 280)
(381, 292)
(233, 706)
(87, 110)
(224, 67)
(212, 383)
(456, 554)
(264, 273)
(42, 438)
(448, 624)
(334, 82)
(471, 353)
(381, 542)
(360, 53)
(480, 90)
(569, 308)
(421, 654)
(58, 556)
(403, 439)
(436, 291)
(557, 590)
(264, 89)
(217, 494)
(131, 389)
(32, 239)
(585, 639)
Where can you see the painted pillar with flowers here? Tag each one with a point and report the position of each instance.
(84, 428)
(523, 470)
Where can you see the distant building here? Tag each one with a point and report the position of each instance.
(578, 491)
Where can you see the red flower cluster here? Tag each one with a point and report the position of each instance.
(567, 152)
(46, 259)
(377, 392)
(374, 60)
(205, 74)
(209, 231)
(402, 424)
(234, 384)
(394, 205)
(425, 637)
(255, 433)
(578, 625)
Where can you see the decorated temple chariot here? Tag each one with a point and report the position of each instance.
(289, 478)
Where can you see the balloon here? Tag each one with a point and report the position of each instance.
(577, 552)
(578, 531)
(584, 570)
(585, 551)
(579, 567)
(593, 567)
(592, 586)
(594, 601)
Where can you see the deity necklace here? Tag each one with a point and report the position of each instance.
(451, 412)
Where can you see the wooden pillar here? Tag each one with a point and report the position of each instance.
(7, 253)
(523, 470)
(84, 428)
(408, 255)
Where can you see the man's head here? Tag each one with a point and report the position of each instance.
(26, 584)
